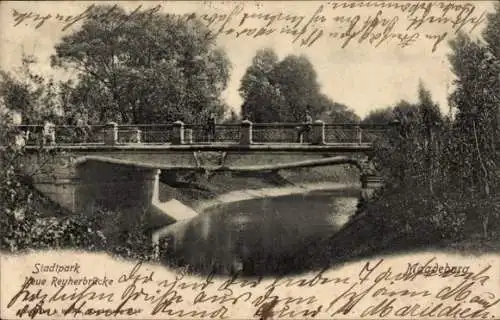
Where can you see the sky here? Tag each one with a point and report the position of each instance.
(361, 75)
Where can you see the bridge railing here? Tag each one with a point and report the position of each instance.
(202, 134)
(354, 133)
(65, 134)
(180, 133)
(275, 132)
(144, 133)
(370, 135)
(32, 134)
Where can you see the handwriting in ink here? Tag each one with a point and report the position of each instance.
(377, 290)
(372, 23)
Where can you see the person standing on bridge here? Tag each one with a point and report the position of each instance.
(211, 127)
(49, 132)
(305, 129)
(82, 128)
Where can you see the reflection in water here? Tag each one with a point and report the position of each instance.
(253, 236)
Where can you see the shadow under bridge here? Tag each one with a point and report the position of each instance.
(132, 187)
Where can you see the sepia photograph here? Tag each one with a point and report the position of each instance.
(258, 144)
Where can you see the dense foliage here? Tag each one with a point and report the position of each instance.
(32, 96)
(443, 170)
(282, 91)
(28, 220)
(143, 68)
(149, 68)
(25, 225)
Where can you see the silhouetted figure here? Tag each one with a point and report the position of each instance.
(82, 129)
(21, 133)
(305, 129)
(49, 132)
(211, 127)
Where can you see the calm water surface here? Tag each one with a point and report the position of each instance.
(253, 235)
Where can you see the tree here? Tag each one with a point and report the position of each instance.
(442, 170)
(491, 35)
(472, 151)
(383, 115)
(432, 122)
(21, 224)
(408, 145)
(282, 91)
(410, 155)
(263, 100)
(334, 112)
(31, 95)
(298, 83)
(28, 219)
(232, 117)
(476, 99)
(144, 67)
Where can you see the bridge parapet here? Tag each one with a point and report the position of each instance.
(179, 133)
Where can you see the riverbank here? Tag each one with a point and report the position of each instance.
(394, 224)
(193, 194)
(256, 233)
(200, 191)
(178, 229)
(271, 192)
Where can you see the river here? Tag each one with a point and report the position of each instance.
(255, 236)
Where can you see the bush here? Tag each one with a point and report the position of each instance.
(76, 231)
(23, 227)
(415, 215)
(134, 243)
(23, 230)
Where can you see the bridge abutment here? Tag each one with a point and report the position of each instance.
(121, 189)
(61, 190)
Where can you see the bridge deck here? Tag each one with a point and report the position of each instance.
(300, 147)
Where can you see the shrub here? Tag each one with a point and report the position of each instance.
(24, 230)
(416, 215)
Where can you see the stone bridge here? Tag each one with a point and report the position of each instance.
(125, 175)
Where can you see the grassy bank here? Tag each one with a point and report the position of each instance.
(399, 221)
(194, 188)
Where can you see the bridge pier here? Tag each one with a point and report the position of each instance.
(127, 190)
(61, 190)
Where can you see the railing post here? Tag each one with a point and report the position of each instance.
(138, 135)
(359, 134)
(246, 132)
(395, 127)
(318, 134)
(111, 133)
(135, 137)
(178, 133)
(189, 136)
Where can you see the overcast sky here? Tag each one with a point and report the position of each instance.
(360, 75)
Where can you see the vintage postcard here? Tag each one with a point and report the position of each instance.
(249, 160)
